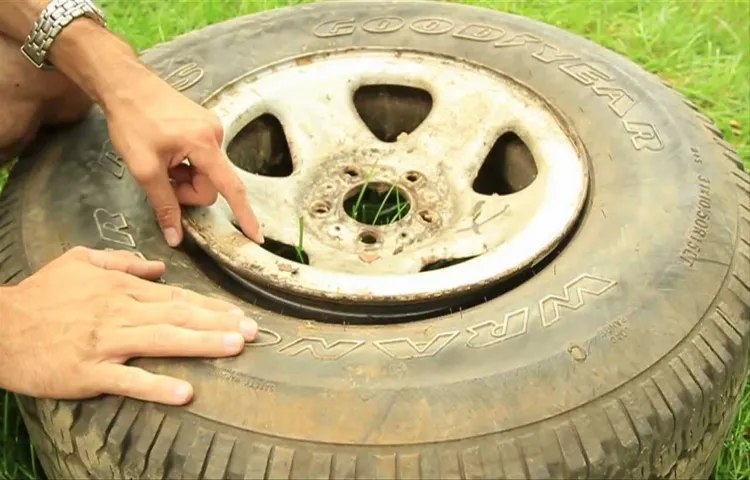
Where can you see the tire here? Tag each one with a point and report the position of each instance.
(639, 376)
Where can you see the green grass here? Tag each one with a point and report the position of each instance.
(699, 47)
(16, 452)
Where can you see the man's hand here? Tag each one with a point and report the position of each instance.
(69, 329)
(151, 125)
(155, 128)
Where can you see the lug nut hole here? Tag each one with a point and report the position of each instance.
(352, 171)
(412, 177)
(368, 238)
(427, 216)
(320, 207)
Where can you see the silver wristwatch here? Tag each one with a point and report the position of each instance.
(55, 16)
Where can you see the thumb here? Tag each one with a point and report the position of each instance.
(159, 190)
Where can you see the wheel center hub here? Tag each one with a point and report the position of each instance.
(369, 211)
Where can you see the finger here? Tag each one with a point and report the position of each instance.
(139, 384)
(126, 262)
(193, 318)
(170, 341)
(217, 167)
(192, 187)
(167, 293)
(155, 182)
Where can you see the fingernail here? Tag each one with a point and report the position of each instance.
(171, 236)
(233, 341)
(249, 329)
(182, 392)
(236, 311)
(259, 239)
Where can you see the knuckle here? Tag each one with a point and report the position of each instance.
(159, 337)
(205, 341)
(119, 282)
(203, 140)
(94, 338)
(147, 172)
(179, 295)
(128, 384)
(213, 128)
(217, 128)
(166, 213)
(111, 306)
(207, 136)
(179, 315)
(237, 188)
(78, 252)
(77, 370)
(122, 253)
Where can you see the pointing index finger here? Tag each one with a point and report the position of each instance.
(217, 166)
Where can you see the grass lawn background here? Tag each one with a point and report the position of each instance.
(700, 47)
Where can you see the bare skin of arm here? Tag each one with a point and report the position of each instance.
(153, 127)
(69, 329)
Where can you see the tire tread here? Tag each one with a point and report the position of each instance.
(684, 395)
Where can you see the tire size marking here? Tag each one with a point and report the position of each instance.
(615, 331)
(551, 309)
(702, 219)
(111, 228)
(643, 135)
(250, 382)
(110, 160)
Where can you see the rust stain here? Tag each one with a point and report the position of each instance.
(369, 257)
(303, 61)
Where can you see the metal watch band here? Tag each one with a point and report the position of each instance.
(55, 16)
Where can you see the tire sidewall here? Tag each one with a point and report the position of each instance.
(569, 335)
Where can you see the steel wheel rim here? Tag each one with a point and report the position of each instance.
(556, 196)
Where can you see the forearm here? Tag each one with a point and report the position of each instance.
(100, 63)
(10, 313)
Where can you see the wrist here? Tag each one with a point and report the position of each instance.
(100, 63)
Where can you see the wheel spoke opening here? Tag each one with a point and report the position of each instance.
(293, 253)
(390, 110)
(509, 167)
(444, 263)
(376, 203)
(261, 147)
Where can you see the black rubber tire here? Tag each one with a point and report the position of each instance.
(640, 376)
